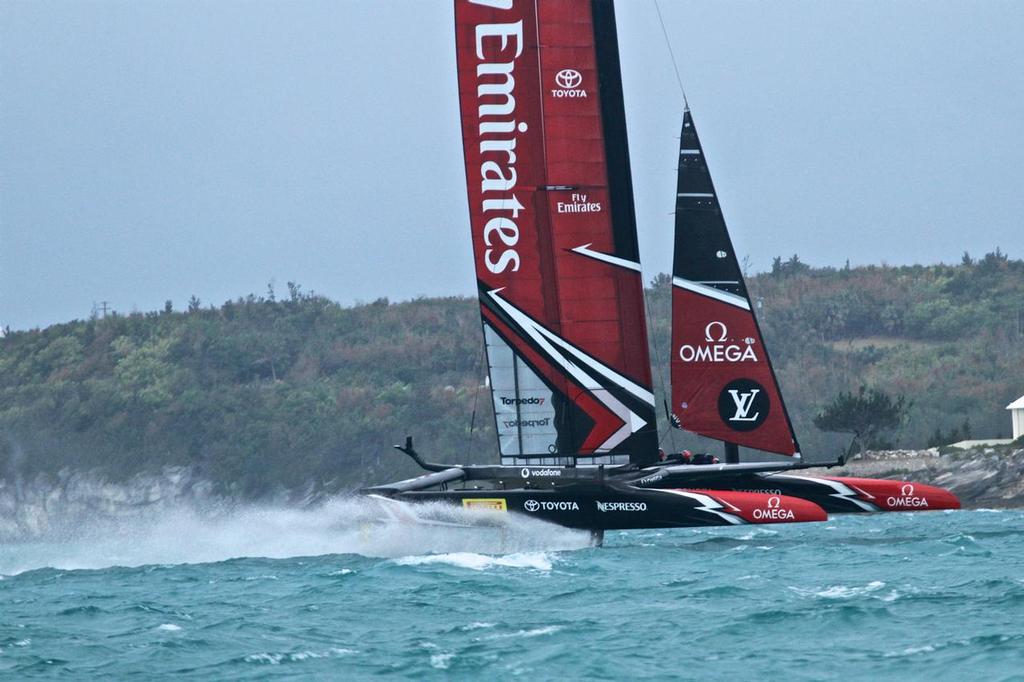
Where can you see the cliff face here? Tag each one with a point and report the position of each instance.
(56, 506)
(987, 477)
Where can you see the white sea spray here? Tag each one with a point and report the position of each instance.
(193, 532)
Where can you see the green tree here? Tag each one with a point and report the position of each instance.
(789, 268)
(867, 415)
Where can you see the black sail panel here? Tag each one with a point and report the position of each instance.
(703, 251)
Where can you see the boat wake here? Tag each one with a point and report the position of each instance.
(539, 561)
(189, 533)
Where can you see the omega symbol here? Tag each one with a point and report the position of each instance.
(709, 332)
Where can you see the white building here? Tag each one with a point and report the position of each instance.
(1016, 409)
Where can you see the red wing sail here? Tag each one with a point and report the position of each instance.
(723, 385)
(561, 294)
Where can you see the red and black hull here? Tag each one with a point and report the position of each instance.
(834, 494)
(665, 496)
(619, 507)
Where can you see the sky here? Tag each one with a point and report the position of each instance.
(152, 151)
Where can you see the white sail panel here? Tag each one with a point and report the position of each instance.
(524, 411)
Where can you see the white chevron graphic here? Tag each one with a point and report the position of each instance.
(710, 505)
(585, 250)
(570, 359)
(843, 491)
(711, 292)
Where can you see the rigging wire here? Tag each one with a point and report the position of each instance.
(668, 44)
(670, 434)
(476, 396)
(652, 335)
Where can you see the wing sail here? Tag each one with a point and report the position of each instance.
(554, 232)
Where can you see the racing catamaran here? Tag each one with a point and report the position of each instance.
(561, 302)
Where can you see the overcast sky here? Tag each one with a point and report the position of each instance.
(156, 150)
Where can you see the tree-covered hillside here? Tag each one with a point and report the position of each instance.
(263, 394)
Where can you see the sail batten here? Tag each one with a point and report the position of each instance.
(723, 383)
(554, 232)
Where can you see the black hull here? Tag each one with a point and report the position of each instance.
(668, 495)
(579, 508)
(600, 505)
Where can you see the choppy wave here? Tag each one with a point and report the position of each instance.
(540, 561)
(349, 590)
(842, 591)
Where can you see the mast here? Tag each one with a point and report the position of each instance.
(554, 232)
(723, 383)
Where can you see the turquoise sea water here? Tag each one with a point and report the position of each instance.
(936, 596)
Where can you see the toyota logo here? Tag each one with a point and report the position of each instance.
(568, 78)
(532, 505)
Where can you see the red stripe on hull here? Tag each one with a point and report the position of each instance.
(763, 508)
(894, 496)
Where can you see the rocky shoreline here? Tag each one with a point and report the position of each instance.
(981, 478)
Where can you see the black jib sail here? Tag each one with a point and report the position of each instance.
(723, 384)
